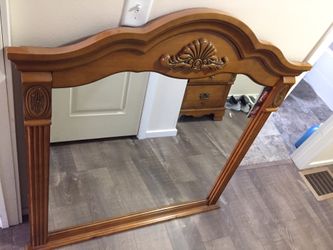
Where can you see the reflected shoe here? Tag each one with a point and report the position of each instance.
(233, 103)
(247, 102)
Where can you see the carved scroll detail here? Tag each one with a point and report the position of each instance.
(199, 55)
(280, 96)
(37, 102)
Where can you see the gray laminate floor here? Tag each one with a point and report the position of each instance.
(262, 208)
(131, 175)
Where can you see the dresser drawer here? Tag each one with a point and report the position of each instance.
(204, 96)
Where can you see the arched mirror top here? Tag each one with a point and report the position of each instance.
(193, 43)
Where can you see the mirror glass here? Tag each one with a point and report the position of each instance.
(120, 145)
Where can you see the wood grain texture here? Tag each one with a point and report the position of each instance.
(111, 226)
(140, 49)
(198, 55)
(195, 97)
(207, 96)
(37, 112)
(121, 49)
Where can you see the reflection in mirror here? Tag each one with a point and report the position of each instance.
(99, 169)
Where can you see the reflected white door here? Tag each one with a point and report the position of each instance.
(109, 107)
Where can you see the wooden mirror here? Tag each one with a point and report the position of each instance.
(201, 45)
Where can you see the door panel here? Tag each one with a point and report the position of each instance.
(106, 108)
(100, 97)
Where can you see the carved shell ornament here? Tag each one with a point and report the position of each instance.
(199, 55)
(37, 102)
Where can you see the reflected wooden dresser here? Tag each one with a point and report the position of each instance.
(207, 96)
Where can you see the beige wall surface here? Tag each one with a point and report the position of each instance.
(56, 22)
(294, 26)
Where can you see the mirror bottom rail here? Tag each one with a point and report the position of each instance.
(107, 227)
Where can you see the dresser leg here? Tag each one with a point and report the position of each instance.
(218, 115)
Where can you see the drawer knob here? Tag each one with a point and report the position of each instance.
(204, 96)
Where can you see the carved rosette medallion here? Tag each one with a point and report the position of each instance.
(280, 96)
(37, 102)
(199, 55)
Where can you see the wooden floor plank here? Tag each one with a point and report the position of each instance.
(131, 175)
(250, 217)
(221, 243)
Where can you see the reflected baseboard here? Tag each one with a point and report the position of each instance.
(158, 133)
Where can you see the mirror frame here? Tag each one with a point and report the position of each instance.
(193, 43)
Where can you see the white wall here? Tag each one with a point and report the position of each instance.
(243, 85)
(56, 22)
(324, 157)
(321, 77)
(5, 152)
(317, 50)
(10, 213)
(317, 150)
(162, 105)
(294, 26)
(3, 212)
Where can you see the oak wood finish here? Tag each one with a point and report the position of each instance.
(189, 44)
(140, 49)
(86, 232)
(207, 96)
(199, 55)
(37, 121)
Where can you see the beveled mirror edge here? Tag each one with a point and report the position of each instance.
(43, 69)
